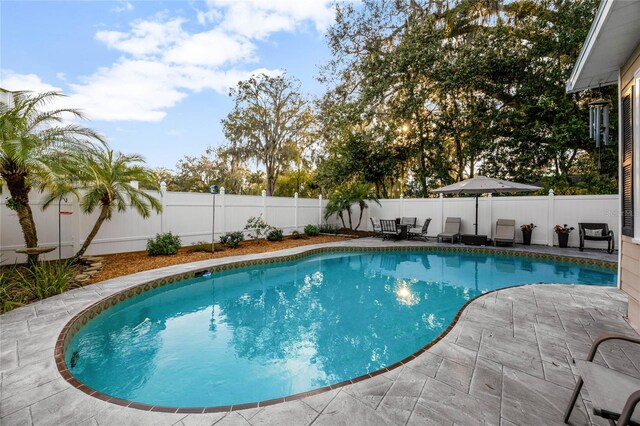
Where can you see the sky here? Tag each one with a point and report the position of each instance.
(154, 76)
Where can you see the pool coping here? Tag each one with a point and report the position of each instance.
(84, 316)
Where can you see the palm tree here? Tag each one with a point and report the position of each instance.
(359, 194)
(29, 139)
(338, 203)
(107, 177)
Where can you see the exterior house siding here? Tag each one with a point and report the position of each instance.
(630, 246)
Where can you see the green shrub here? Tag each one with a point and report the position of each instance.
(256, 227)
(203, 246)
(295, 235)
(329, 229)
(311, 230)
(163, 244)
(275, 234)
(232, 239)
(46, 278)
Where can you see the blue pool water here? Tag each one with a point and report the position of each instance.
(269, 331)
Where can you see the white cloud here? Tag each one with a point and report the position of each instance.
(14, 82)
(205, 17)
(260, 18)
(138, 90)
(161, 62)
(123, 6)
(211, 48)
(145, 38)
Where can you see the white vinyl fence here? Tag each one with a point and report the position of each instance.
(189, 215)
(544, 211)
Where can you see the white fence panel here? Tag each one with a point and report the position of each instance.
(186, 214)
(524, 210)
(587, 208)
(189, 215)
(544, 211)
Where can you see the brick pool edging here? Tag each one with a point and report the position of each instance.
(87, 314)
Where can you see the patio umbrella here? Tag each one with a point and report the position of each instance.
(484, 185)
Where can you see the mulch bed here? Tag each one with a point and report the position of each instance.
(117, 265)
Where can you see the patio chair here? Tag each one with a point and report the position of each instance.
(451, 230)
(420, 232)
(389, 229)
(375, 222)
(505, 232)
(596, 232)
(409, 221)
(614, 395)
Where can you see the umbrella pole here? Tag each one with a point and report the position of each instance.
(476, 214)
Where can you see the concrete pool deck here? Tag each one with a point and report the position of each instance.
(507, 361)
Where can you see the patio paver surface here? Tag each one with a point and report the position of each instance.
(507, 361)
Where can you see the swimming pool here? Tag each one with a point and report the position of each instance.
(268, 331)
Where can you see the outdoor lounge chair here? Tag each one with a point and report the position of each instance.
(596, 232)
(505, 232)
(614, 395)
(420, 232)
(389, 229)
(451, 229)
(375, 222)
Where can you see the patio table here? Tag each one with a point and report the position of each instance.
(474, 240)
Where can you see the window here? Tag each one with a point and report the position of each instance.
(626, 172)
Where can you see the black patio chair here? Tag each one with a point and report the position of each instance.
(376, 226)
(389, 229)
(596, 232)
(420, 232)
(614, 395)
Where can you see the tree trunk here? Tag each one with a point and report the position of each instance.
(104, 212)
(19, 190)
(341, 216)
(359, 219)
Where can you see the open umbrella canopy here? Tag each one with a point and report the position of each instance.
(484, 185)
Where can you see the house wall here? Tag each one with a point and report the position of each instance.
(630, 246)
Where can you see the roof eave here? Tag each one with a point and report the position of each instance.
(594, 32)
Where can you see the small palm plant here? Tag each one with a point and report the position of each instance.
(107, 177)
(359, 194)
(339, 202)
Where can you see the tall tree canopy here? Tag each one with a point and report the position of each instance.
(269, 123)
(428, 92)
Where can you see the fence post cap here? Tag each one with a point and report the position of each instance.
(222, 190)
(551, 192)
(295, 195)
(264, 192)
